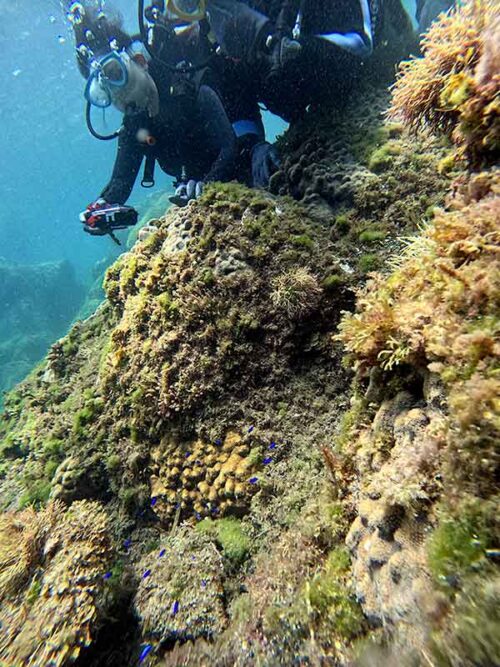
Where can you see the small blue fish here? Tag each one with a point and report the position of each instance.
(127, 543)
(175, 608)
(154, 500)
(146, 574)
(203, 583)
(267, 460)
(253, 480)
(162, 553)
(272, 445)
(215, 510)
(145, 652)
(198, 463)
(108, 575)
(251, 429)
(197, 515)
(218, 441)
(188, 454)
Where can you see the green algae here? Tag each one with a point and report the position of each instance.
(369, 262)
(333, 281)
(324, 606)
(33, 592)
(113, 463)
(382, 158)
(230, 534)
(37, 494)
(303, 241)
(330, 600)
(470, 636)
(371, 235)
(457, 546)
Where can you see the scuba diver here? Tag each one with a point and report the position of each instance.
(257, 159)
(288, 51)
(172, 114)
(335, 39)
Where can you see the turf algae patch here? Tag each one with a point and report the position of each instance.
(180, 596)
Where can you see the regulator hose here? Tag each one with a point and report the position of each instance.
(93, 132)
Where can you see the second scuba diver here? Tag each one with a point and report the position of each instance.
(292, 53)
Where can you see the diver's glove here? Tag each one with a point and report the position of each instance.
(185, 192)
(265, 161)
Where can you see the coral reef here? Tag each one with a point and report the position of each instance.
(455, 87)
(195, 466)
(205, 479)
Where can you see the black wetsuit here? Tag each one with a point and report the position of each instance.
(321, 69)
(191, 133)
(239, 28)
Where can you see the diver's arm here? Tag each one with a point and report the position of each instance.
(358, 43)
(127, 164)
(219, 133)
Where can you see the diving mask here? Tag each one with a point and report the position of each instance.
(107, 75)
(186, 10)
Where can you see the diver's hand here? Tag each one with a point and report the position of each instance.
(185, 192)
(265, 161)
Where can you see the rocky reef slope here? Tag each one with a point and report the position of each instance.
(275, 442)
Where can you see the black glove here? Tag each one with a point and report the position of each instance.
(185, 192)
(265, 162)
